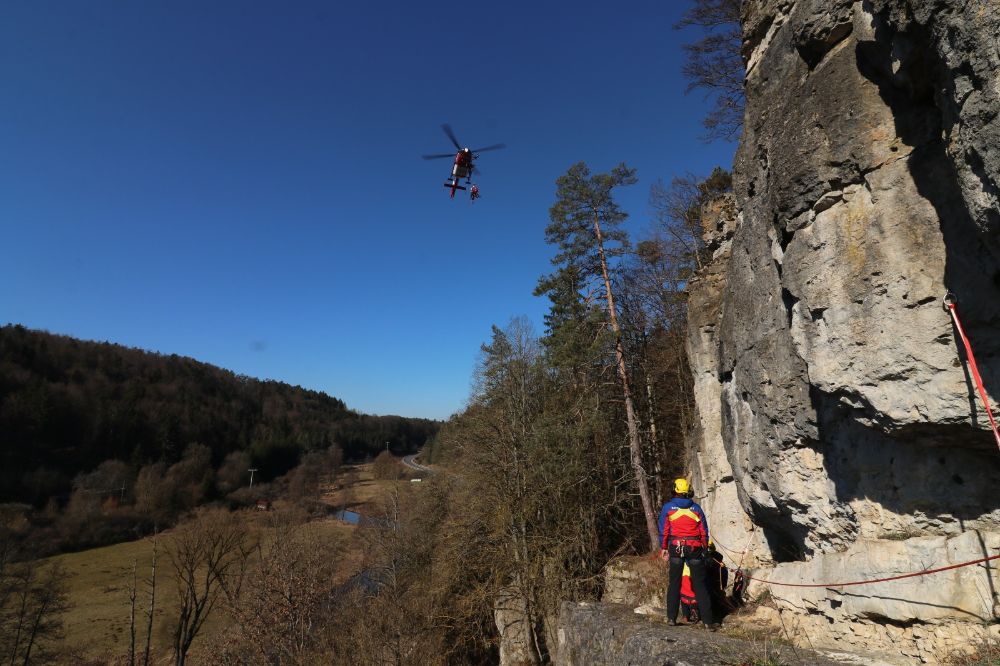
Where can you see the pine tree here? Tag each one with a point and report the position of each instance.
(585, 226)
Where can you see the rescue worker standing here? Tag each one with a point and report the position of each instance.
(684, 541)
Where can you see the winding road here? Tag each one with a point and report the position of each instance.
(410, 461)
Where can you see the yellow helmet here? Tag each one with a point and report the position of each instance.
(681, 487)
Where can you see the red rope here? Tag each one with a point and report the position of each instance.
(949, 302)
(913, 574)
(925, 572)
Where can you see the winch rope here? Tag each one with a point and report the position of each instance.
(732, 552)
(739, 566)
(725, 548)
(950, 303)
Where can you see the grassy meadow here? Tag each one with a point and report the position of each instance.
(96, 627)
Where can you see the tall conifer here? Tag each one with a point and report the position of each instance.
(585, 227)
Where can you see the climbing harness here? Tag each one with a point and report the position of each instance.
(950, 303)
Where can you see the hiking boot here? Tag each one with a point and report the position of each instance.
(712, 627)
(672, 623)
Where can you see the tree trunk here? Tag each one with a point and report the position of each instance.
(633, 427)
(33, 635)
(654, 441)
(22, 611)
(152, 604)
(131, 616)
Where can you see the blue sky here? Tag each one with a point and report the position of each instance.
(241, 182)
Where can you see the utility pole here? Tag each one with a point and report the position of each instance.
(251, 470)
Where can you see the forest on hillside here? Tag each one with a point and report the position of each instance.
(67, 406)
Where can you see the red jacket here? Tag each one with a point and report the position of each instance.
(682, 519)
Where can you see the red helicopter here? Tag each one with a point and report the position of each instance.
(463, 167)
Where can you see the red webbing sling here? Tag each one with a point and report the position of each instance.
(949, 303)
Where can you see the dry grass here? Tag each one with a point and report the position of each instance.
(97, 625)
(984, 653)
(98, 620)
(357, 489)
(755, 634)
(762, 646)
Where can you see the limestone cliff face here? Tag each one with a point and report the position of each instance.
(836, 408)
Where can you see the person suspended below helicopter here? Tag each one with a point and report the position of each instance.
(474, 192)
(463, 166)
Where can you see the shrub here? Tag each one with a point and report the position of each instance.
(387, 467)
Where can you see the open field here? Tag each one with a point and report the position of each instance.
(357, 489)
(97, 625)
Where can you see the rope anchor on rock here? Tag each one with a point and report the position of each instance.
(950, 302)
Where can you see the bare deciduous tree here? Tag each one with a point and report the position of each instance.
(132, 593)
(35, 597)
(232, 472)
(151, 609)
(284, 599)
(421, 590)
(387, 466)
(543, 486)
(315, 474)
(208, 554)
(676, 249)
(714, 64)
(133, 603)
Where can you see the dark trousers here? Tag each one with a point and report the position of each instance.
(695, 560)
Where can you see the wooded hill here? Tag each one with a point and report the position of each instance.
(66, 405)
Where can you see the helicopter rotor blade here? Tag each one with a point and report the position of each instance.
(437, 157)
(451, 135)
(496, 146)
